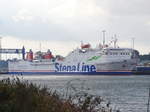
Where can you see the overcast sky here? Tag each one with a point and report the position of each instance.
(61, 24)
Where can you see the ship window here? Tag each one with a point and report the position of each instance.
(121, 53)
(110, 53)
(106, 53)
(115, 53)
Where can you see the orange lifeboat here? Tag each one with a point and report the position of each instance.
(85, 46)
(48, 55)
(29, 55)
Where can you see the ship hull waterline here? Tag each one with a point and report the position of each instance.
(73, 73)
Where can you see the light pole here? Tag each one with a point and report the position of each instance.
(0, 47)
(103, 37)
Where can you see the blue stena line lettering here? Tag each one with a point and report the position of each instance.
(74, 68)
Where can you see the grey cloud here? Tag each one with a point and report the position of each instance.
(125, 18)
(129, 8)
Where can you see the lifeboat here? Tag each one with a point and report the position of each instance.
(48, 55)
(85, 46)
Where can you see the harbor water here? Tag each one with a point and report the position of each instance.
(126, 93)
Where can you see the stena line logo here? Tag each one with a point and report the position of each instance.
(74, 68)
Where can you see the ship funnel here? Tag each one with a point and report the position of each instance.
(29, 55)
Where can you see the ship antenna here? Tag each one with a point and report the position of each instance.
(103, 37)
(40, 46)
(115, 40)
(0, 46)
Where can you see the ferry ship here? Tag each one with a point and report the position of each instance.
(102, 60)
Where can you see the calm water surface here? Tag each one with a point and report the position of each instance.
(127, 93)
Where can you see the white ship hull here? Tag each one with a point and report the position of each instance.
(116, 61)
(62, 68)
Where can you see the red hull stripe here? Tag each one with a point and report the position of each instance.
(66, 71)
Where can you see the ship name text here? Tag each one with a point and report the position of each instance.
(80, 67)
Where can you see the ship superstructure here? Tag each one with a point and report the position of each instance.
(85, 60)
